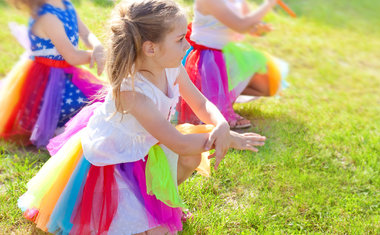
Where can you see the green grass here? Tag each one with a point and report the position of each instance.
(319, 171)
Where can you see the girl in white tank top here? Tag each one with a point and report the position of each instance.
(221, 65)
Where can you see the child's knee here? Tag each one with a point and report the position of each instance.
(190, 162)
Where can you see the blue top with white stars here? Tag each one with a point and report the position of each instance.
(43, 46)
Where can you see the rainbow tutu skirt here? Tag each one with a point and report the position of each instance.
(69, 195)
(39, 95)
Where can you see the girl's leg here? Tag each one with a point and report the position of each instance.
(186, 167)
(258, 86)
(156, 231)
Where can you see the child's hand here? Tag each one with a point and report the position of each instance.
(98, 56)
(261, 29)
(272, 2)
(220, 138)
(247, 141)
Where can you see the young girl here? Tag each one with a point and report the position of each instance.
(119, 173)
(221, 67)
(43, 91)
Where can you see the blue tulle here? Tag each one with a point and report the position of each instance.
(187, 54)
(60, 218)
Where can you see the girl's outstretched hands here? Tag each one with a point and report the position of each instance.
(220, 139)
(98, 56)
(245, 141)
(260, 29)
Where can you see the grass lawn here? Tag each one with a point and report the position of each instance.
(319, 171)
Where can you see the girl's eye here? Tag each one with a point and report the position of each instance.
(180, 40)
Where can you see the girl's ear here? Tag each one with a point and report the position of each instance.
(149, 48)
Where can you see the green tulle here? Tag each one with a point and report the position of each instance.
(242, 62)
(159, 179)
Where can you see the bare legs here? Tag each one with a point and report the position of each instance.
(258, 86)
(156, 231)
(186, 167)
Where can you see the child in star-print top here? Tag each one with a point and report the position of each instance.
(44, 90)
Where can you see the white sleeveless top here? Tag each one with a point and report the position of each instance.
(120, 138)
(210, 32)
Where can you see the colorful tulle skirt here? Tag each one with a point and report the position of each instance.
(69, 195)
(39, 95)
(222, 75)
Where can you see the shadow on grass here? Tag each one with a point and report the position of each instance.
(285, 135)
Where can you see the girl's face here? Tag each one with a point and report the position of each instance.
(174, 46)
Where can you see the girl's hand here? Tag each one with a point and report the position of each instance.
(246, 141)
(260, 29)
(98, 56)
(272, 2)
(220, 138)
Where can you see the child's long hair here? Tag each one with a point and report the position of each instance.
(133, 23)
(29, 5)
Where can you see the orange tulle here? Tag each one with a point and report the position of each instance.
(12, 87)
(50, 199)
(23, 91)
(204, 166)
(274, 75)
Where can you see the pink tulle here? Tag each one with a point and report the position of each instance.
(98, 206)
(158, 212)
(77, 123)
(209, 65)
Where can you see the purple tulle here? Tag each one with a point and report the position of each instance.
(215, 87)
(51, 106)
(77, 123)
(158, 213)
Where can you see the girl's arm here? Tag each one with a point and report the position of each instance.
(208, 113)
(246, 9)
(240, 23)
(92, 42)
(147, 114)
(52, 27)
(88, 38)
(203, 108)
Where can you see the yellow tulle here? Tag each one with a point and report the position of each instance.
(46, 187)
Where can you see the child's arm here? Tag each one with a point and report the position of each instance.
(147, 114)
(51, 27)
(92, 42)
(240, 23)
(208, 113)
(246, 9)
(203, 108)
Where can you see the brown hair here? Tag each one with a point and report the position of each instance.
(133, 23)
(29, 5)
